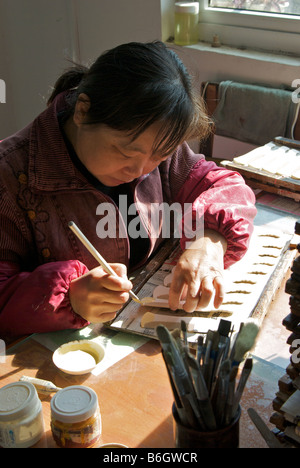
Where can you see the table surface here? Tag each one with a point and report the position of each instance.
(134, 394)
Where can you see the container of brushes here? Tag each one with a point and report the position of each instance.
(224, 437)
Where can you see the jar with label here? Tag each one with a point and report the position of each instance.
(75, 417)
(21, 417)
(186, 23)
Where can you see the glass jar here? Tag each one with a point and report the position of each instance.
(186, 23)
(21, 417)
(75, 417)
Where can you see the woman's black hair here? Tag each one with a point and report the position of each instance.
(136, 85)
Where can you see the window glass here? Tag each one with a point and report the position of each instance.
(290, 7)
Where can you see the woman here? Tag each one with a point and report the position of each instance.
(112, 133)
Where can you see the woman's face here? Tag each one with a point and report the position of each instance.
(111, 155)
(113, 158)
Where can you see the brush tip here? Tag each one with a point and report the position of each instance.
(225, 367)
(175, 333)
(224, 327)
(245, 341)
(248, 363)
(200, 340)
(162, 332)
(248, 334)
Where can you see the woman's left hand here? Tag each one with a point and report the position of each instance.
(198, 274)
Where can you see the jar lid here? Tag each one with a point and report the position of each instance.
(74, 404)
(187, 7)
(17, 400)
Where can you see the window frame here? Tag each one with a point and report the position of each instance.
(250, 29)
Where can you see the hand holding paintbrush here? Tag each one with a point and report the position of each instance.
(106, 267)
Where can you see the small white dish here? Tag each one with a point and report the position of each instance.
(113, 445)
(78, 357)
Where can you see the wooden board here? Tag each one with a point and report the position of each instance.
(274, 167)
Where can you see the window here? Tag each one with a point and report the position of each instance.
(272, 25)
(267, 6)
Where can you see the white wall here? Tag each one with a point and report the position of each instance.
(38, 37)
(103, 24)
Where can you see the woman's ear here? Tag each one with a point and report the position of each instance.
(82, 107)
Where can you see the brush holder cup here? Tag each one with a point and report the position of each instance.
(225, 437)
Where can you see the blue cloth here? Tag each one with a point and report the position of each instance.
(254, 114)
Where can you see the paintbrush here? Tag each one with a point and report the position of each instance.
(247, 368)
(224, 330)
(106, 267)
(184, 403)
(42, 386)
(184, 332)
(221, 351)
(200, 349)
(180, 376)
(244, 341)
(196, 377)
(197, 380)
(207, 351)
(230, 397)
(183, 350)
(224, 327)
(179, 408)
(214, 353)
(233, 341)
(220, 358)
(222, 391)
(204, 402)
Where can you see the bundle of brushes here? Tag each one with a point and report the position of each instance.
(206, 390)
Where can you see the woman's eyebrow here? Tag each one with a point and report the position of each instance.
(135, 149)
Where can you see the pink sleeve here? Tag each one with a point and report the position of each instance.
(223, 202)
(37, 301)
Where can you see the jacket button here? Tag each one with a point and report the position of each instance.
(46, 253)
(22, 178)
(31, 214)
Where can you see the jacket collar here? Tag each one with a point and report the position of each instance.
(50, 165)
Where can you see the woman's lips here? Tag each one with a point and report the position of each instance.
(118, 181)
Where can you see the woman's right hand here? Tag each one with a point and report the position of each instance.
(97, 295)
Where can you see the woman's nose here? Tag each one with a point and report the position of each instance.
(135, 169)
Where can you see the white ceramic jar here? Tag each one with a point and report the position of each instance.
(21, 417)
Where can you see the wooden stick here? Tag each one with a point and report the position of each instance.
(269, 437)
(106, 267)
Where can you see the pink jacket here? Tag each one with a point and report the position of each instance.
(41, 191)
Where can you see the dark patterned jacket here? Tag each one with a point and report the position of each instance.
(41, 190)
